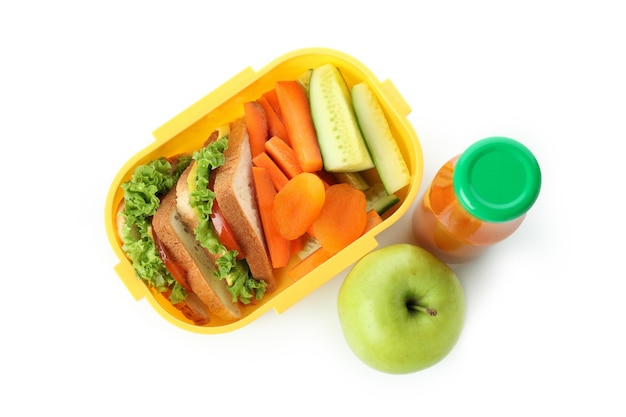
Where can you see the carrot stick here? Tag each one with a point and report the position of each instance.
(296, 112)
(297, 244)
(327, 177)
(256, 122)
(308, 264)
(298, 204)
(272, 99)
(277, 176)
(279, 248)
(284, 156)
(373, 220)
(275, 125)
(323, 178)
(342, 219)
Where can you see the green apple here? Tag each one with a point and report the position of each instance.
(401, 309)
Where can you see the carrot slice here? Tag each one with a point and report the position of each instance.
(298, 204)
(296, 112)
(342, 219)
(284, 156)
(308, 264)
(256, 122)
(279, 248)
(275, 125)
(277, 176)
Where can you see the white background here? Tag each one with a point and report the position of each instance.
(82, 86)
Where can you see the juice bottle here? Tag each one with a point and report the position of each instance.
(477, 199)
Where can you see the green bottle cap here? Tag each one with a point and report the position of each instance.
(497, 179)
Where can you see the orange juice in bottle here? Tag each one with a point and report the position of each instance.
(477, 199)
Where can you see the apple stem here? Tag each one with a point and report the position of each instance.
(430, 311)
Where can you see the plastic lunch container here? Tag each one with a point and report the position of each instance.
(188, 130)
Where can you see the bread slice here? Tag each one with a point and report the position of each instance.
(186, 251)
(191, 307)
(234, 190)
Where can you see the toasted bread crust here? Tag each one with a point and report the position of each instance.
(235, 192)
(187, 252)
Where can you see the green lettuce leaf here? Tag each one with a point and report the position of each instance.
(241, 284)
(141, 200)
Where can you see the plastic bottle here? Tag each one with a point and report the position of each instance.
(477, 199)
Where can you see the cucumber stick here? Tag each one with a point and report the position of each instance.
(341, 142)
(304, 79)
(378, 199)
(355, 179)
(388, 159)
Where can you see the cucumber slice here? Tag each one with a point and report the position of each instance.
(388, 159)
(341, 143)
(355, 179)
(378, 199)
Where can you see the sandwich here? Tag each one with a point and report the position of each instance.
(191, 228)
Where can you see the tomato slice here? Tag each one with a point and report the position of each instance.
(221, 226)
(177, 272)
(224, 231)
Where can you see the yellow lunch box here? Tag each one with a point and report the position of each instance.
(188, 131)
